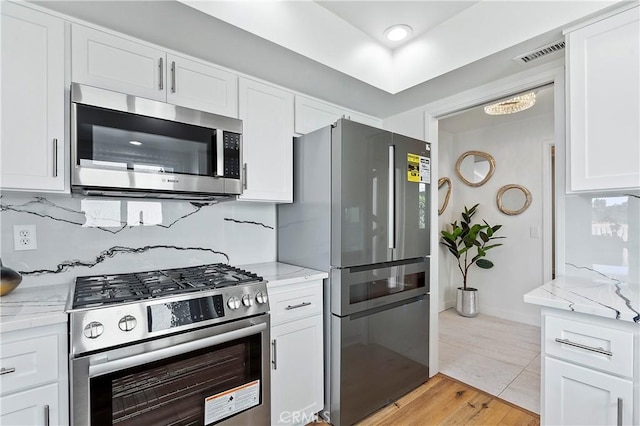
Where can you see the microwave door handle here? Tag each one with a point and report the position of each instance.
(219, 166)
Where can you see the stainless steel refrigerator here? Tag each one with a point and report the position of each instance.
(361, 213)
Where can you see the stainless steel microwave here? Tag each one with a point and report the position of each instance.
(122, 145)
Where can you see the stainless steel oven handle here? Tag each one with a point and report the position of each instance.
(145, 358)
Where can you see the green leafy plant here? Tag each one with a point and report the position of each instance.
(461, 239)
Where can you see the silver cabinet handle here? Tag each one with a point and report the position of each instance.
(46, 415)
(301, 305)
(55, 157)
(6, 370)
(161, 66)
(274, 359)
(244, 172)
(619, 423)
(173, 76)
(391, 231)
(585, 347)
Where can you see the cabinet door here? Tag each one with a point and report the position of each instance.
(267, 140)
(365, 119)
(37, 406)
(575, 395)
(32, 100)
(312, 114)
(297, 381)
(604, 96)
(202, 87)
(113, 63)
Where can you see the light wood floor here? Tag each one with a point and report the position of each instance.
(446, 401)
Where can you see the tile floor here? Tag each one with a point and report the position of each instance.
(492, 354)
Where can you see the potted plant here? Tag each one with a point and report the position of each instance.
(469, 244)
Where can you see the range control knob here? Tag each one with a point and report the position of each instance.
(247, 300)
(93, 329)
(127, 323)
(233, 303)
(262, 297)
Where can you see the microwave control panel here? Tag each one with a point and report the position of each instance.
(231, 155)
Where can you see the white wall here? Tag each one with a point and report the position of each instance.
(518, 148)
(447, 269)
(76, 238)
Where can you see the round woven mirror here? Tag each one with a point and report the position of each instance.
(513, 199)
(444, 192)
(475, 168)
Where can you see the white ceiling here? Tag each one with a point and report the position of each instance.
(455, 38)
(323, 49)
(374, 17)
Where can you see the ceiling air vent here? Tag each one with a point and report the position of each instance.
(540, 52)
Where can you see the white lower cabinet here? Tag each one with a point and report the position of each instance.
(31, 407)
(33, 376)
(297, 377)
(589, 370)
(576, 395)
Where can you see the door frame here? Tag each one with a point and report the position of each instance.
(550, 73)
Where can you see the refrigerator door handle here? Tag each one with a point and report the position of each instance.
(391, 229)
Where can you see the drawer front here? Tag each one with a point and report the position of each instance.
(606, 349)
(27, 363)
(296, 302)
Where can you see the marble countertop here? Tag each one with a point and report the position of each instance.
(595, 297)
(278, 274)
(27, 307)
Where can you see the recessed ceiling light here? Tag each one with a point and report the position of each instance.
(397, 32)
(136, 143)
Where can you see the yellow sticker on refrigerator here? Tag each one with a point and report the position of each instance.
(418, 168)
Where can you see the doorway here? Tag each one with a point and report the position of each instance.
(499, 350)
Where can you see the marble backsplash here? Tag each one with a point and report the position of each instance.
(602, 236)
(79, 236)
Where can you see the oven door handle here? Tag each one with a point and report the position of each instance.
(105, 367)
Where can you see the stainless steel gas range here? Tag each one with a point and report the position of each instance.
(183, 346)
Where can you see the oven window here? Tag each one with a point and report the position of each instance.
(385, 286)
(173, 391)
(120, 140)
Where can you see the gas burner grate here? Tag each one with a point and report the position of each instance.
(99, 290)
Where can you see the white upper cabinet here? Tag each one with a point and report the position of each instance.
(312, 114)
(603, 104)
(33, 88)
(267, 141)
(115, 63)
(203, 87)
(103, 60)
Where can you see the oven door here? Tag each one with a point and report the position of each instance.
(216, 375)
(360, 288)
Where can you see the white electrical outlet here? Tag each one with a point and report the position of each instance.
(24, 237)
